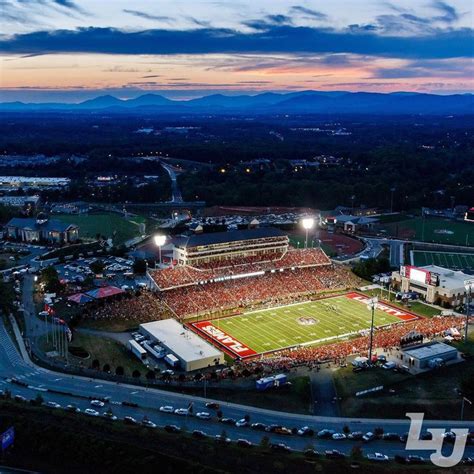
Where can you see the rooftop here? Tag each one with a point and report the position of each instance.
(184, 343)
(30, 223)
(430, 350)
(448, 278)
(231, 236)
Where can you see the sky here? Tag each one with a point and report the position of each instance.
(72, 50)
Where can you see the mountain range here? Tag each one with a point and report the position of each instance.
(305, 102)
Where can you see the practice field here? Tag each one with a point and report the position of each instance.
(455, 261)
(312, 322)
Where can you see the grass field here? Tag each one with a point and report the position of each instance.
(442, 231)
(455, 261)
(108, 224)
(277, 328)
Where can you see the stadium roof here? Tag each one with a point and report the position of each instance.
(231, 236)
(183, 342)
(450, 279)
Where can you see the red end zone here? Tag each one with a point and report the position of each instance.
(387, 308)
(228, 343)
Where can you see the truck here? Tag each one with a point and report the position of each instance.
(137, 350)
(269, 382)
(171, 360)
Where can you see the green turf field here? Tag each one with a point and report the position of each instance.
(108, 224)
(277, 328)
(455, 261)
(432, 229)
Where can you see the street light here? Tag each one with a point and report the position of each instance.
(371, 305)
(468, 284)
(308, 223)
(159, 242)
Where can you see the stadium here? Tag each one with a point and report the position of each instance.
(251, 294)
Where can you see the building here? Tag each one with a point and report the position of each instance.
(428, 356)
(217, 247)
(78, 207)
(193, 352)
(15, 182)
(27, 202)
(434, 284)
(352, 224)
(41, 229)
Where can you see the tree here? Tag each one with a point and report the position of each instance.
(378, 431)
(50, 279)
(95, 364)
(150, 375)
(346, 430)
(39, 400)
(106, 368)
(119, 371)
(356, 452)
(219, 414)
(97, 267)
(265, 442)
(136, 374)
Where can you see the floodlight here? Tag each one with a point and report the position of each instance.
(308, 223)
(159, 240)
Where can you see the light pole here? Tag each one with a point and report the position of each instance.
(468, 284)
(308, 223)
(160, 240)
(392, 190)
(371, 305)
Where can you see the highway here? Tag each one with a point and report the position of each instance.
(79, 391)
(175, 191)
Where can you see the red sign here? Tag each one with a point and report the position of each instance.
(224, 339)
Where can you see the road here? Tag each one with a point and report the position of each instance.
(175, 191)
(80, 389)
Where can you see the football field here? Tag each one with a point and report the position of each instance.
(311, 322)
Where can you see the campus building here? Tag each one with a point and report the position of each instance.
(434, 284)
(41, 229)
(428, 356)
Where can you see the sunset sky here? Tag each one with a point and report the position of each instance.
(64, 50)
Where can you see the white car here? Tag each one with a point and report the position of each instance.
(181, 411)
(167, 409)
(110, 416)
(53, 405)
(338, 436)
(91, 412)
(203, 415)
(378, 457)
(148, 423)
(97, 403)
(241, 423)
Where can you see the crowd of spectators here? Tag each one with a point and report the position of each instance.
(141, 307)
(281, 286)
(181, 275)
(386, 339)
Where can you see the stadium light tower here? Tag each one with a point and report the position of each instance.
(308, 223)
(371, 305)
(160, 240)
(469, 285)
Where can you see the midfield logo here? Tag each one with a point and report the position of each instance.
(436, 443)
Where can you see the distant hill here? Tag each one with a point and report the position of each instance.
(304, 102)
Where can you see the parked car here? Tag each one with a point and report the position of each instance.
(244, 443)
(311, 453)
(325, 434)
(199, 434)
(242, 423)
(334, 454)
(280, 447)
(305, 431)
(213, 406)
(379, 457)
(167, 409)
(97, 403)
(355, 435)
(53, 405)
(390, 437)
(338, 436)
(72, 409)
(91, 412)
(369, 436)
(227, 421)
(258, 426)
(282, 430)
(181, 411)
(172, 429)
(110, 416)
(222, 439)
(202, 415)
(129, 420)
(414, 459)
(148, 423)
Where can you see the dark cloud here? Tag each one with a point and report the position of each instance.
(151, 76)
(147, 16)
(449, 14)
(308, 12)
(196, 21)
(274, 39)
(70, 5)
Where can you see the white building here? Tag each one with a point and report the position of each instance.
(192, 351)
(434, 284)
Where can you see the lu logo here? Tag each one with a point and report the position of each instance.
(415, 443)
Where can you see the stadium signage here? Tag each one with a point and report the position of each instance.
(419, 275)
(224, 339)
(383, 307)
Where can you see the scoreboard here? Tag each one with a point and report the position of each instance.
(419, 275)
